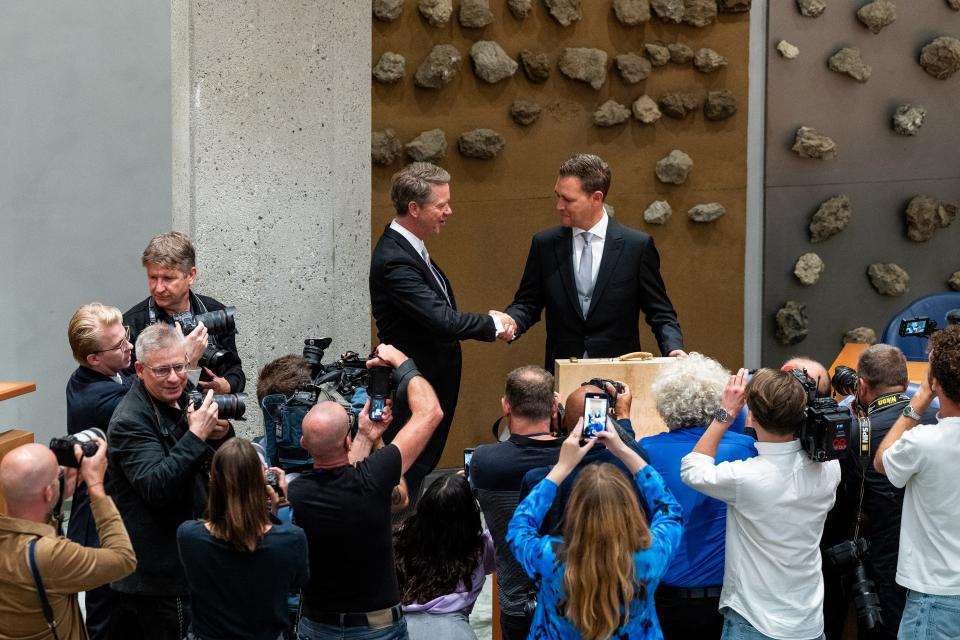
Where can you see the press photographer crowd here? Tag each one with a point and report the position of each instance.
(776, 501)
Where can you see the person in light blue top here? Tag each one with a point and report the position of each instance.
(598, 581)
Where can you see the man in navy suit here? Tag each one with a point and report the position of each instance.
(101, 345)
(593, 276)
(413, 302)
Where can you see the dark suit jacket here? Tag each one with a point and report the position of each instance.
(413, 315)
(628, 282)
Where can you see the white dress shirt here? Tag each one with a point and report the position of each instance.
(924, 460)
(599, 232)
(420, 247)
(776, 506)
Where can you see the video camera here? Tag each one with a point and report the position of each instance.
(63, 447)
(348, 373)
(825, 432)
(919, 327)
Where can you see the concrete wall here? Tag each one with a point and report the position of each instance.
(84, 178)
(271, 121)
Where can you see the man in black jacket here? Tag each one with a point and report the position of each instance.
(160, 452)
(414, 305)
(170, 261)
(593, 276)
(101, 345)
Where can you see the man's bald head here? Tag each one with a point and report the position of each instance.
(25, 473)
(573, 407)
(815, 371)
(325, 428)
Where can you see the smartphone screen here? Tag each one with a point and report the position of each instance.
(594, 414)
(467, 456)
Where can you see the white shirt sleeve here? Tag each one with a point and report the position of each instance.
(720, 481)
(903, 459)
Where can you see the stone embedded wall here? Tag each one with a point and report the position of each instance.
(879, 167)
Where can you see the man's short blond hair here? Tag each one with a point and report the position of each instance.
(86, 329)
(172, 250)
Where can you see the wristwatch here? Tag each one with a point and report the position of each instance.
(722, 416)
(910, 412)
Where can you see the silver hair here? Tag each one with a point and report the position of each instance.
(156, 337)
(688, 391)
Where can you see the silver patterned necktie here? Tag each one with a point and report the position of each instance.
(436, 274)
(585, 273)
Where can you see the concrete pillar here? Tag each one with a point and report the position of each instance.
(271, 167)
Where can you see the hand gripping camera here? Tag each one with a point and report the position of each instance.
(63, 447)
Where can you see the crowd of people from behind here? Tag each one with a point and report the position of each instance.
(714, 528)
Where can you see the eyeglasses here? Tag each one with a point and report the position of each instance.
(122, 345)
(163, 372)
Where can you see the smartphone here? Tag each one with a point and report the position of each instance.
(918, 327)
(467, 457)
(594, 414)
(378, 391)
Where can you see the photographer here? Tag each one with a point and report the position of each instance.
(923, 459)
(776, 507)
(344, 509)
(31, 484)
(170, 261)
(876, 505)
(160, 451)
(101, 346)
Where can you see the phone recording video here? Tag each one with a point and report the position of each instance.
(594, 414)
(467, 456)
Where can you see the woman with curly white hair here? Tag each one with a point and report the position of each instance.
(687, 394)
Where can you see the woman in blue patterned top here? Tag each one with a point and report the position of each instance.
(598, 581)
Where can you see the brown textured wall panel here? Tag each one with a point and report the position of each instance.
(499, 204)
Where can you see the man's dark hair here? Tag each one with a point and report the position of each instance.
(529, 392)
(883, 366)
(593, 172)
(945, 360)
(284, 375)
(777, 401)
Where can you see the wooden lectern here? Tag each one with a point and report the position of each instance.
(638, 374)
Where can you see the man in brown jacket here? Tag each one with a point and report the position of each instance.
(29, 479)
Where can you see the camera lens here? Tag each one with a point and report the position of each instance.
(218, 322)
(844, 380)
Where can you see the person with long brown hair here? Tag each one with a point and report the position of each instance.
(598, 580)
(241, 562)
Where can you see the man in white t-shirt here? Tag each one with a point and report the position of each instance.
(776, 506)
(923, 459)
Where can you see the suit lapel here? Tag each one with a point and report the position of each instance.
(563, 247)
(612, 248)
(405, 245)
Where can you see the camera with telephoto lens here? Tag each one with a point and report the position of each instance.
(63, 447)
(230, 406)
(844, 380)
(348, 373)
(865, 598)
(218, 323)
(825, 432)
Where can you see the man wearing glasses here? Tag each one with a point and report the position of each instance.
(101, 345)
(160, 451)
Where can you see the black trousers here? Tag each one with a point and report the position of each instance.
(685, 618)
(149, 617)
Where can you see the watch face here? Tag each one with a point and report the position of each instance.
(721, 415)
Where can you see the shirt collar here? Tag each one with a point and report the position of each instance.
(417, 244)
(777, 448)
(598, 230)
(18, 525)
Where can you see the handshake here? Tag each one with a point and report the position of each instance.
(509, 325)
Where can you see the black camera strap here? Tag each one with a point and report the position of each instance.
(41, 591)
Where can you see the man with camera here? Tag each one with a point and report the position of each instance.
(101, 346)
(344, 508)
(529, 406)
(170, 261)
(922, 458)
(32, 484)
(776, 502)
(880, 383)
(161, 444)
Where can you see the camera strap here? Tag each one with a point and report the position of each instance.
(882, 402)
(41, 591)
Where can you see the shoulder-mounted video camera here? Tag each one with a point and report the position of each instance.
(825, 431)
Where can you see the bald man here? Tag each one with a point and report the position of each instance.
(344, 504)
(815, 371)
(29, 479)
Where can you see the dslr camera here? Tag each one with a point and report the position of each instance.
(865, 598)
(825, 432)
(63, 447)
(218, 323)
(230, 406)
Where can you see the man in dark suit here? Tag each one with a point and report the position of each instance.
(101, 345)
(414, 305)
(593, 275)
